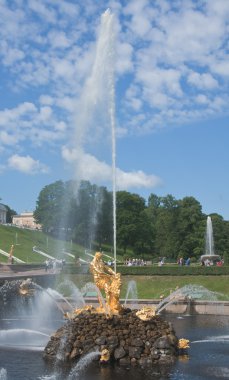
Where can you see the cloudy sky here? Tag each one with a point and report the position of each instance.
(169, 61)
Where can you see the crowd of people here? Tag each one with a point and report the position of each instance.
(52, 265)
(134, 262)
(208, 263)
(181, 261)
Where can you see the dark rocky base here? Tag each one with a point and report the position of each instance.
(128, 339)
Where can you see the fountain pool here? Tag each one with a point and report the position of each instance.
(208, 355)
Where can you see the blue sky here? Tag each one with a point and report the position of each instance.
(171, 69)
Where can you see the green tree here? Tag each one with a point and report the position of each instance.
(167, 238)
(153, 209)
(220, 234)
(104, 227)
(9, 214)
(89, 201)
(129, 219)
(190, 228)
(49, 207)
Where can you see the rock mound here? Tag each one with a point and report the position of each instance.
(128, 339)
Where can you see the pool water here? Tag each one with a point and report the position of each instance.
(21, 357)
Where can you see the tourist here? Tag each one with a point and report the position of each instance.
(181, 261)
(46, 265)
(188, 261)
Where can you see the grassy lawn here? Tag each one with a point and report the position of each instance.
(24, 240)
(155, 286)
(152, 287)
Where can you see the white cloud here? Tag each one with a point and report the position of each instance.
(29, 122)
(8, 116)
(124, 60)
(45, 113)
(136, 179)
(26, 164)
(7, 138)
(203, 81)
(140, 13)
(10, 55)
(58, 39)
(202, 99)
(43, 11)
(61, 126)
(221, 67)
(90, 168)
(46, 100)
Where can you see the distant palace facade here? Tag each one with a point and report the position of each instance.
(26, 220)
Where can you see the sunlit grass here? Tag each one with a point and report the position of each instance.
(24, 240)
(152, 287)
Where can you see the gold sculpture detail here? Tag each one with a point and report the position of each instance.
(105, 356)
(10, 257)
(73, 314)
(108, 281)
(146, 313)
(25, 287)
(183, 344)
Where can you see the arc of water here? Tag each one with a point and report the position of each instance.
(53, 298)
(133, 292)
(82, 364)
(90, 286)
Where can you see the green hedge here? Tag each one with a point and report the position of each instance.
(155, 270)
(74, 269)
(173, 270)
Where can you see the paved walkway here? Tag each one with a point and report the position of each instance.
(13, 275)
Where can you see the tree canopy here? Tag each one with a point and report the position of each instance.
(161, 227)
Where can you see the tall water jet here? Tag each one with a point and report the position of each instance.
(95, 118)
(106, 42)
(209, 255)
(209, 239)
(113, 129)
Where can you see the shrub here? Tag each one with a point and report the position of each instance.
(173, 270)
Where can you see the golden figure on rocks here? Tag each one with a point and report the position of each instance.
(105, 356)
(146, 313)
(109, 281)
(183, 344)
(25, 288)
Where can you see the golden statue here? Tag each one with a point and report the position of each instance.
(105, 356)
(10, 257)
(109, 281)
(183, 344)
(146, 313)
(25, 288)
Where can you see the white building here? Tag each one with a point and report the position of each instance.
(3, 211)
(26, 220)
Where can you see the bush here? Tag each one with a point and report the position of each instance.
(173, 270)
